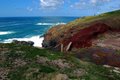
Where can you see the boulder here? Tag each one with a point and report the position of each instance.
(29, 43)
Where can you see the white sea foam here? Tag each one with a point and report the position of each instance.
(51, 24)
(36, 39)
(6, 32)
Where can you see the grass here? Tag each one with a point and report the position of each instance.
(34, 71)
(110, 18)
(118, 51)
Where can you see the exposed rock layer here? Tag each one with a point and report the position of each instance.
(82, 32)
(90, 32)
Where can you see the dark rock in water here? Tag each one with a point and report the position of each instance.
(29, 43)
(15, 41)
(42, 36)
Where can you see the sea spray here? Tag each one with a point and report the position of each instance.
(36, 39)
(6, 32)
(51, 24)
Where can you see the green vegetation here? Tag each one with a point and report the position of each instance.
(118, 51)
(20, 62)
(89, 19)
(107, 18)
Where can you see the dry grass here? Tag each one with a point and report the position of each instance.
(111, 18)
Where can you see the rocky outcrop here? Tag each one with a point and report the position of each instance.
(101, 31)
(28, 43)
(109, 40)
(81, 33)
(82, 39)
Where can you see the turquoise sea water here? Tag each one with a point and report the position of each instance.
(28, 28)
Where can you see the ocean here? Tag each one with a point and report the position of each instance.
(28, 28)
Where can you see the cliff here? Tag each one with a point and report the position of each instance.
(81, 30)
(99, 36)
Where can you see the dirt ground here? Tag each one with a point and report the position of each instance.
(110, 40)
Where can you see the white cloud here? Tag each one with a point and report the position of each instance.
(83, 4)
(93, 1)
(99, 1)
(51, 4)
(79, 5)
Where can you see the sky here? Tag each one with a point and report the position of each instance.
(16, 8)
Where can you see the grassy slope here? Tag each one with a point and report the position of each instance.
(111, 18)
(35, 71)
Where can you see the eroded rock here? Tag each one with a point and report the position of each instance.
(29, 43)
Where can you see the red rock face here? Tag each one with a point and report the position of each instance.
(84, 37)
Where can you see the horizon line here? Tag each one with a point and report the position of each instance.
(37, 16)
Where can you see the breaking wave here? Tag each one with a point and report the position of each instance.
(46, 24)
(36, 39)
(6, 32)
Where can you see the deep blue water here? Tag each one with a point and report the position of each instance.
(26, 27)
